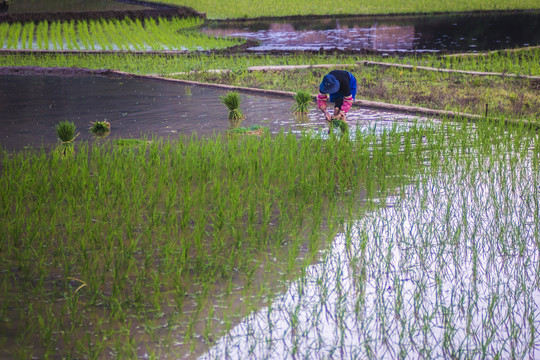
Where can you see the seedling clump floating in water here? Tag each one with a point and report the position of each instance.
(100, 129)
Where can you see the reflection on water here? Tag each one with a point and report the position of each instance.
(420, 33)
(32, 105)
(450, 268)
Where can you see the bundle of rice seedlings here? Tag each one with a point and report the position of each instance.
(100, 129)
(65, 130)
(303, 98)
(232, 101)
(340, 124)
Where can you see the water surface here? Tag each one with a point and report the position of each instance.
(32, 105)
(457, 32)
(450, 267)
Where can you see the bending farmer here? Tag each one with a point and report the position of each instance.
(341, 85)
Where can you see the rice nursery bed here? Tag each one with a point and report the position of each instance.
(157, 249)
(112, 34)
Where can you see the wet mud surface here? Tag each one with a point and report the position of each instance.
(33, 104)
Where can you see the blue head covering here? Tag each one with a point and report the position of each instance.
(329, 84)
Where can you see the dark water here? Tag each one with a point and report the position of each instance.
(37, 6)
(464, 32)
(32, 105)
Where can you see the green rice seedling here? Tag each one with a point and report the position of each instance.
(232, 101)
(303, 99)
(100, 129)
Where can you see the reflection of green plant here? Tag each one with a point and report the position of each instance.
(66, 133)
(303, 98)
(232, 101)
(100, 128)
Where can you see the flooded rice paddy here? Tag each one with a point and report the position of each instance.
(449, 268)
(446, 265)
(32, 105)
(428, 33)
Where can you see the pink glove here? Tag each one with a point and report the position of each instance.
(347, 104)
(321, 101)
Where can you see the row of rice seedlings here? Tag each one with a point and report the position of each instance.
(520, 62)
(242, 9)
(224, 202)
(70, 36)
(13, 34)
(152, 34)
(41, 35)
(27, 36)
(449, 269)
(55, 36)
(85, 39)
(4, 29)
